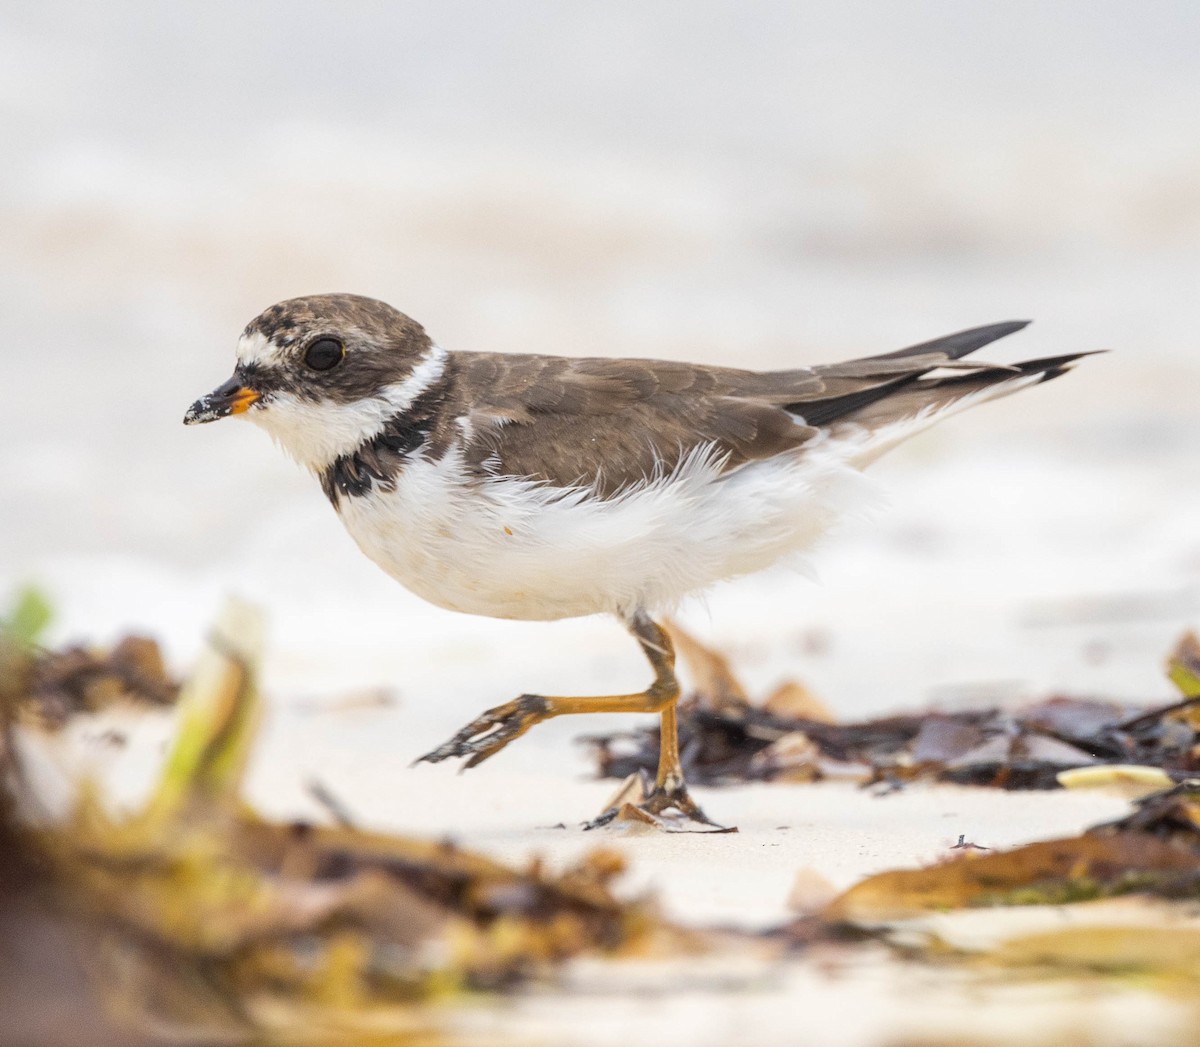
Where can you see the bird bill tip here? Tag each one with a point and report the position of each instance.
(200, 412)
(221, 404)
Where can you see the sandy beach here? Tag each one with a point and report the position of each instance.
(771, 187)
(796, 846)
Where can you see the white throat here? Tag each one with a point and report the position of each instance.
(317, 434)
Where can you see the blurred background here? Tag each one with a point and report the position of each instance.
(761, 184)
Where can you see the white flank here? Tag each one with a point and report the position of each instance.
(316, 434)
(516, 549)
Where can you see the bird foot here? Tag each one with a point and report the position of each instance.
(487, 734)
(669, 808)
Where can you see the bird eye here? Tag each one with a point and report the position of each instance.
(324, 354)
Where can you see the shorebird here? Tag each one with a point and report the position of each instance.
(544, 487)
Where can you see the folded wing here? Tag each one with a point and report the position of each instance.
(609, 424)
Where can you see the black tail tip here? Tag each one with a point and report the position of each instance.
(961, 343)
(1010, 327)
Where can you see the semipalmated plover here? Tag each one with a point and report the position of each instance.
(544, 487)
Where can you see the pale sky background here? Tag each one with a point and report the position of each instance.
(763, 184)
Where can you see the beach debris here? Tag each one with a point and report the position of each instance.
(726, 738)
(629, 814)
(716, 689)
(1131, 779)
(1155, 850)
(80, 679)
(810, 892)
(1117, 902)
(202, 919)
(794, 701)
(1047, 872)
(47, 687)
(194, 919)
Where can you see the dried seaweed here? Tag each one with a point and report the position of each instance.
(1116, 903)
(196, 918)
(1105, 862)
(725, 739)
(47, 688)
(44, 993)
(1153, 850)
(81, 679)
(202, 919)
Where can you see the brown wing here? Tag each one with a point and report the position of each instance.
(612, 423)
(609, 424)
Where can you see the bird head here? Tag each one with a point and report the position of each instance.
(324, 373)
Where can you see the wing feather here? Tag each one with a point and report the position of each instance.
(610, 424)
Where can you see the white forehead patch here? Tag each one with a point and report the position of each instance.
(317, 433)
(256, 348)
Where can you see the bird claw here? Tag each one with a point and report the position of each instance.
(665, 807)
(487, 734)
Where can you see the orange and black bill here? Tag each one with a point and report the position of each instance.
(234, 397)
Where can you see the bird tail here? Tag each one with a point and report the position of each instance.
(914, 406)
(937, 395)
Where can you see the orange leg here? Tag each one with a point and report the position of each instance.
(486, 735)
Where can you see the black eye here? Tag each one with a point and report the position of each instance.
(324, 353)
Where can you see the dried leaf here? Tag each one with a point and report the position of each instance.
(1073, 719)
(633, 790)
(793, 758)
(1130, 779)
(946, 740)
(1154, 850)
(1048, 872)
(811, 892)
(716, 688)
(792, 700)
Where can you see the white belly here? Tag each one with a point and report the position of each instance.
(512, 549)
